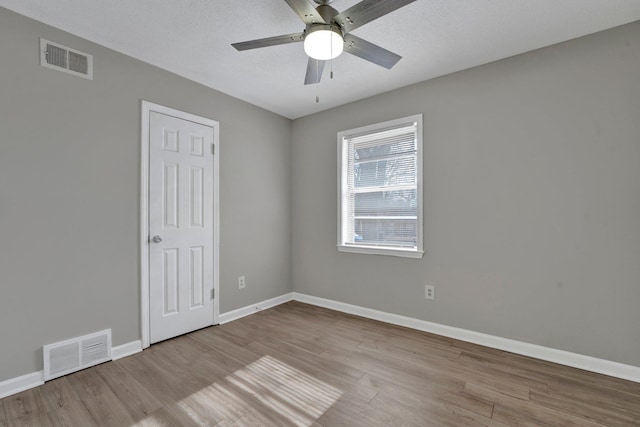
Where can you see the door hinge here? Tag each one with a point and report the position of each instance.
(213, 148)
(213, 293)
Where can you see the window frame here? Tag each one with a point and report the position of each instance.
(342, 137)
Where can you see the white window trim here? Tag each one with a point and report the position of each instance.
(374, 250)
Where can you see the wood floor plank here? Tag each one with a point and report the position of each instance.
(512, 411)
(36, 419)
(241, 354)
(72, 414)
(535, 417)
(257, 418)
(614, 400)
(214, 339)
(411, 390)
(498, 368)
(300, 365)
(413, 380)
(507, 383)
(241, 334)
(436, 411)
(107, 410)
(559, 372)
(57, 394)
(307, 365)
(3, 417)
(354, 412)
(179, 352)
(137, 399)
(489, 394)
(229, 336)
(167, 383)
(21, 405)
(589, 410)
(103, 405)
(276, 346)
(433, 403)
(222, 401)
(87, 383)
(422, 346)
(468, 403)
(167, 416)
(408, 371)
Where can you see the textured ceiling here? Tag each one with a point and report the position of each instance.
(192, 38)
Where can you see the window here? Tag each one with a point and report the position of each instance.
(380, 188)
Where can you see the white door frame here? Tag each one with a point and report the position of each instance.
(147, 108)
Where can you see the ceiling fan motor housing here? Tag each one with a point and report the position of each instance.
(327, 12)
(323, 27)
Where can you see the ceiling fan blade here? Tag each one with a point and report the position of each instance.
(369, 51)
(366, 11)
(269, 41)
(306, 11)
(314, 71)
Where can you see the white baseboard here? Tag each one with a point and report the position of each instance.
(34, 379)
(250, 309)
(18, 384)
(588, 363)
(125, 350)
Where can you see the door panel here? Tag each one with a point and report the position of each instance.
(181, 216)
(196, 264)
(196, 193)
(170, 281)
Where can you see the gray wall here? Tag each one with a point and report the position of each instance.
(531, 197)
(69, 193)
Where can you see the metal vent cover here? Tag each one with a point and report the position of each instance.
(63, 58)
(64, 358)
(78, 63)
(94, 349)
(78, 353)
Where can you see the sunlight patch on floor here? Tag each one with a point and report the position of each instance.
(299, 397)
(267, 391)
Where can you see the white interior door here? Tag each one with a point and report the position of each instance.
(181, 240)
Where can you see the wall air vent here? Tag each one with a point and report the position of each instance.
(62, 58)
(72, 355)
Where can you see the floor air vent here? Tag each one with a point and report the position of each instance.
(62, 58)
(72, 355)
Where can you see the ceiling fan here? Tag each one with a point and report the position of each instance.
(328, 33)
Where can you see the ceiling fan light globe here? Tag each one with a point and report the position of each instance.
(323, 44)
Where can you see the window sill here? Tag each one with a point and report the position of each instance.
(372, 250)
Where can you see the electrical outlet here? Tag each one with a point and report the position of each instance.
(241, 282)
(429, 292)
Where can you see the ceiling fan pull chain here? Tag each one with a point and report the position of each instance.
(331, 63)
(331, 60)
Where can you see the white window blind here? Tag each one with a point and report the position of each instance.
(379, 197)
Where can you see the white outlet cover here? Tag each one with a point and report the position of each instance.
(430, 292)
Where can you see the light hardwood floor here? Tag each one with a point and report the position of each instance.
(302, 365)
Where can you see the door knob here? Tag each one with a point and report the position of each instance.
(156, 239)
